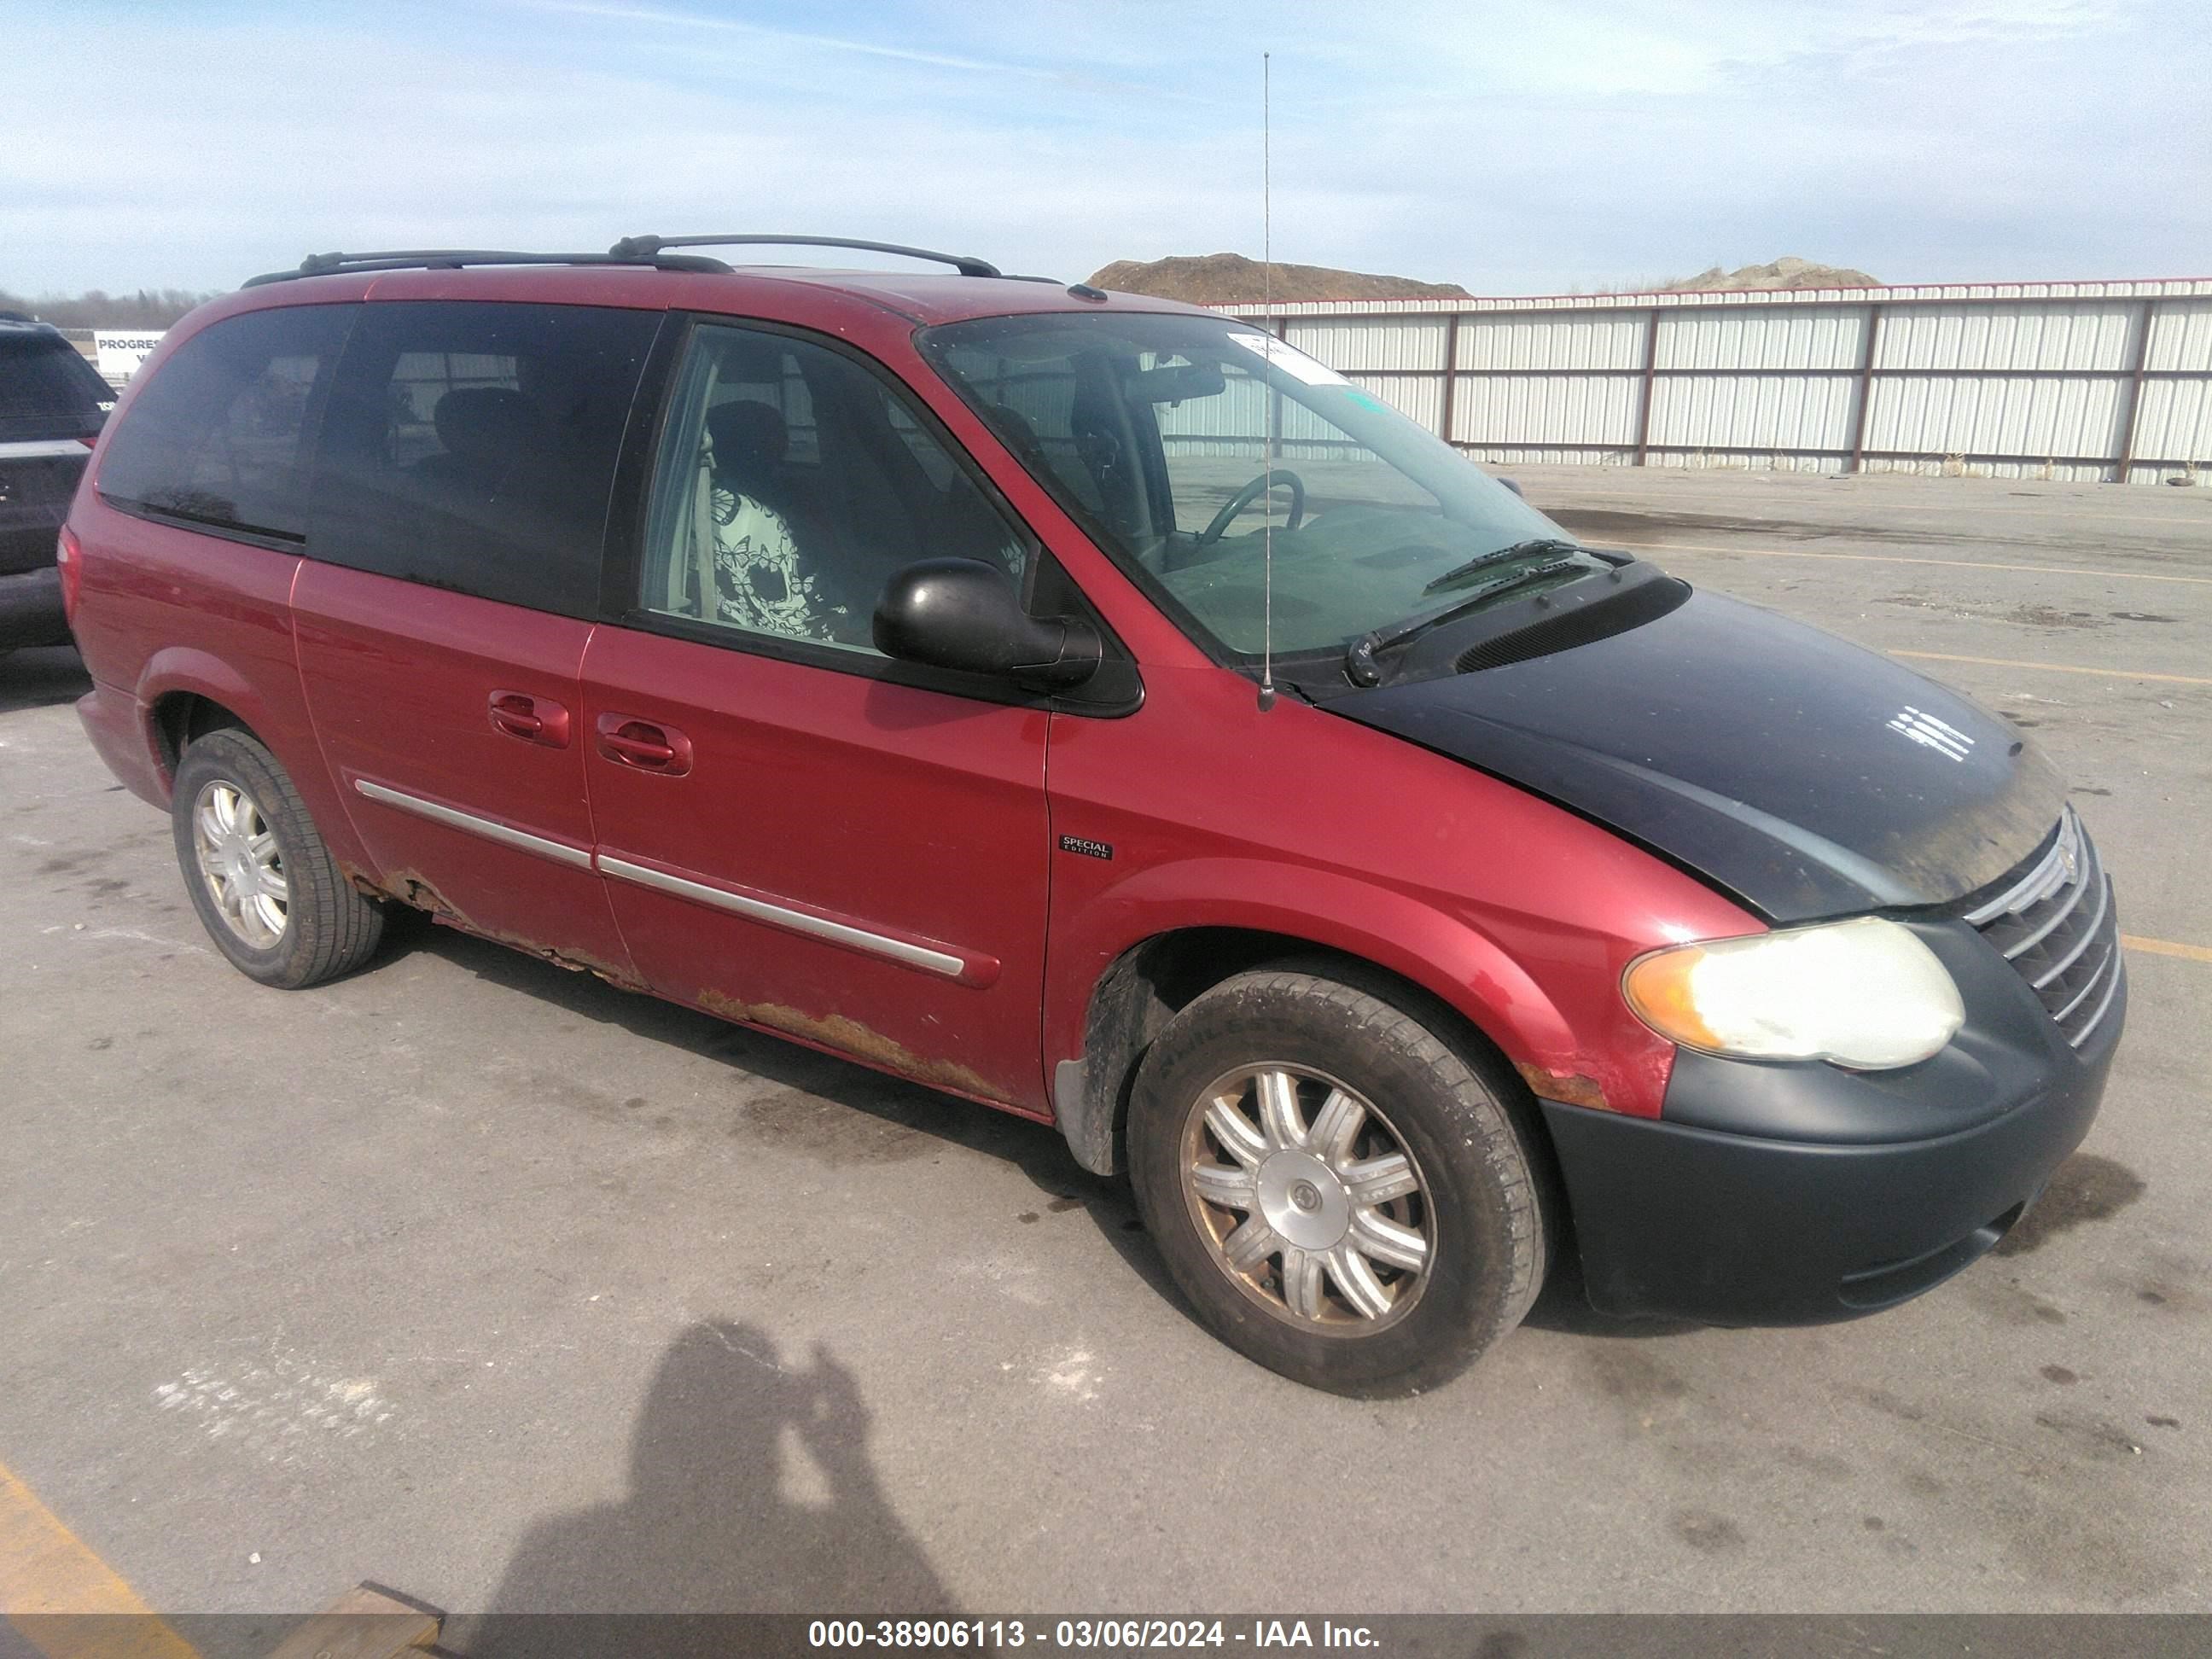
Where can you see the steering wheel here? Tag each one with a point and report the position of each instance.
(1251, 493)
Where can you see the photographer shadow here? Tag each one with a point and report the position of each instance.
(709, 1525)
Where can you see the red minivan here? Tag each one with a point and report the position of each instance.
(1091, 706)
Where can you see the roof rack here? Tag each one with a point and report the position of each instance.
(325, 264)
(639, 246)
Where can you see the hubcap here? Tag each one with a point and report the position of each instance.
(240, 863)
(1313, 1204)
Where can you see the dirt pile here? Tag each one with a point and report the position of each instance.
(1788, 271)
(1216, 279)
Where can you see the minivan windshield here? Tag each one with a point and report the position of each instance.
(1182, 442)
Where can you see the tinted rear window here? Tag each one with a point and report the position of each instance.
(222, 433)
(472, 446)
(47, 390)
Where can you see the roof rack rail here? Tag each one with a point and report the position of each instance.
(966, 264)
(325, 264)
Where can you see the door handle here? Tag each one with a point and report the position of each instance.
(534, 719)
(631, 742)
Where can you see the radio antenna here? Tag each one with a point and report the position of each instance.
(1267, 446)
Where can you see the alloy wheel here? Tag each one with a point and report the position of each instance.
(1312, 1202)
(241, 864)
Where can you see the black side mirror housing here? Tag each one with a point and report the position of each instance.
(963, 614)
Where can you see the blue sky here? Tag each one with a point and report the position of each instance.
(1515, 148)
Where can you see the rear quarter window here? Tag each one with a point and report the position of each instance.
(471, 445)
(47, 390)
(221, 434)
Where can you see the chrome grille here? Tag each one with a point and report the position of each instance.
(2054, 921)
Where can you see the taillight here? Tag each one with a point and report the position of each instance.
(69, 559)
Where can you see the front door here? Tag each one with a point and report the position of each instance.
(797, 832)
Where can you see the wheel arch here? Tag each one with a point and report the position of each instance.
(186, 693)
(1149, 982)
(179, 718)
(183, 693)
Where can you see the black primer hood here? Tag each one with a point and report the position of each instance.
(1806, 775)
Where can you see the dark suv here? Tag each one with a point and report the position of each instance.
(1090, 705)
(52, 405)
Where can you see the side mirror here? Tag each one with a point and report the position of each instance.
(1511, 485)
(964, 614)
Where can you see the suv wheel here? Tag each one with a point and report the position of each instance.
(1340, 1192)
(265, 884)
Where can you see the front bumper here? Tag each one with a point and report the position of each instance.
(31, 609)
(1800, 1193)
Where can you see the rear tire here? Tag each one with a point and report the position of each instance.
(267, 890)
(1341, 1194)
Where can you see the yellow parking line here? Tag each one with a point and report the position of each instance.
(2166, 947)
(2055, 667)
(45, 1570)
(1899, 558)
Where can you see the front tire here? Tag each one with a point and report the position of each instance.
(1341, 1193)
(267, 890)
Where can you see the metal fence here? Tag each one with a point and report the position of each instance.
(2068, 381)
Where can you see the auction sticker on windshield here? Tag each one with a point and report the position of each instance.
(1290, 359)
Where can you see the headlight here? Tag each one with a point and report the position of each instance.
(1865, 994)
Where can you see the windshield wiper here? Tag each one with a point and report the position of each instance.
(1359, 665)
(1459, 573)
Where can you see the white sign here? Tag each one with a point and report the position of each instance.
(117, 354)
(1290, 360)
